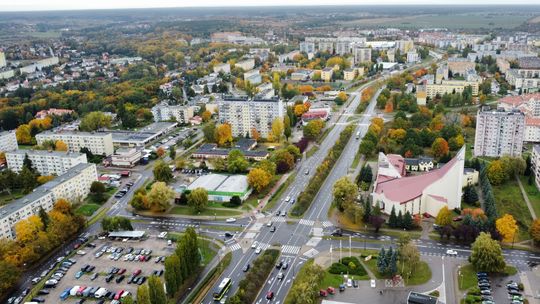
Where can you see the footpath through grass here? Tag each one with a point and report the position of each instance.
(508, 199)
(185, 210)
(533, 194)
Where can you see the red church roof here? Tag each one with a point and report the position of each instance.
(408, 188)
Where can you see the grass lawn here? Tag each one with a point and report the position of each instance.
(6, 197)
(312, 151)
(87, 209)
(183, 210)
(421, 274)
(467, 277)
(356, 160)
(329, 279)
(533, 194)
(207, 250)
(325, 133)
(509, 200)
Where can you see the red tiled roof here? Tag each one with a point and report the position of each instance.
(519, 99)
(408, 188)
(532, 121)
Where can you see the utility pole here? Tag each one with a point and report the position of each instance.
(350, 253)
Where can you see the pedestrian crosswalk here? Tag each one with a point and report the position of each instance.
(311, 253)
(235, 247)
(327, 224)
(264, 246)
(278, 219)
(307, 222)
(289, 249)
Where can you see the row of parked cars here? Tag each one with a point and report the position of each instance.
(124, 190)
(100, 293)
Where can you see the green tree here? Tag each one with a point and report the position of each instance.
(9, 275)
(344, 192)
(287, 131)
(162, 172)
(496, 173)
(172, 152)
(127, 300)
(236, 162)
(160, 196)
(94, 121)
(143, 295)
(97, 189)
(392, 220)
(409, 258)
(235, 201)
(486, 254)
(172, 263)
(198, 199)
(313, 128)
(156, 291)
(44, 216)
(209, 131)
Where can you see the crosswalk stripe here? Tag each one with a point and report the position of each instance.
(235, 247)
(311, 253)
(327, 224)
(264, 246)
(307, 222)
(278, 219)
(290, 249)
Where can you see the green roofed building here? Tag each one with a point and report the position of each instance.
(222, 187)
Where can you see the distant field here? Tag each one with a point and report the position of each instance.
(469, 21)
(48, 34)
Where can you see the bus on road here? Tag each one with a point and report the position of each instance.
(222, 289)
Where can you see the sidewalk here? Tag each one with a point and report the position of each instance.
(526, 198)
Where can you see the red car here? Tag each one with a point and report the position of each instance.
(122, 271)
(136, 272)
(80, 291)
(323, 293)
(118, 294)
(331, 290)
(270, 295)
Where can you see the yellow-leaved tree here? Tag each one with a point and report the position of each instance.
(507, 227)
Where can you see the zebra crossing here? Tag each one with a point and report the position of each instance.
(235, 247)
(327, 224)
(311, 253)
(306, 222)
(264, 246)
(289, 249)
(278, 219)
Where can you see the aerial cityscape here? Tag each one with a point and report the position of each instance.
(287, 152)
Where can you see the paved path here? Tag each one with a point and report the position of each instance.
(526, 198)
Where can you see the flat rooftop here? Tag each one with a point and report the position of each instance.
(221, 183)
(46, 152)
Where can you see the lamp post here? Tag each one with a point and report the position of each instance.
(365, 228)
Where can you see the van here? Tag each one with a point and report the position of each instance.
(65, 294)
(100, 293)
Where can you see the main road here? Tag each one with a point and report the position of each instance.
(293, 237)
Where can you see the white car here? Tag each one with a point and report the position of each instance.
(255, 245)
(81, 252)
(451, 252)
(287, 199)
(230, 220)
(258, 250)
(372, 283)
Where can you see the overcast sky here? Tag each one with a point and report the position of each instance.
(32, 5)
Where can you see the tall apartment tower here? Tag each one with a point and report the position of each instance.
(499, 133)
(361, 54)
(2, 60)
(246, 114)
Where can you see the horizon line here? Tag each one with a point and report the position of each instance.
(269, 6)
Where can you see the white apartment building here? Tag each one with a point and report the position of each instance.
(535, 164)
(222, 67)
(451, 87)
(307, 47)
(499, 133)
(72, 185)
(45, 162)
(245, 114)
(97, 143)
(361, 54)
(412, 57)
(126, 157)
(246, 65)
(2, 60)
(166, 112)
(8, 141)
(288, 57)
(527, 80)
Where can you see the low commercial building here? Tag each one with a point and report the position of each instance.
(99, 143)
(126, 157)
(130, 235)
(8, 141)
(72, 185)
(302, 75)
(419, 298)
(470, 177)
(221, 187)
(143, 136)
(316, 113)
(45, 162)
(246, 146)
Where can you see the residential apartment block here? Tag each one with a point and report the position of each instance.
(361, 54)
(45, 162)
(246, 114)
(326, 74)
(246, 65)
(529, 104)
(450, 87)
(460, 65)
(166, 112)
(222, 67)
(499, 133)
(97, 143)
(72, 185)
(8, 141)
(535, 164)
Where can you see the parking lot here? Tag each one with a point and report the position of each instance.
(118, 260)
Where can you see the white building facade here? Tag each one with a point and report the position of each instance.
(8, 141)
(166, 112)
(499, 133)
(97, 143)
(45, 162)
